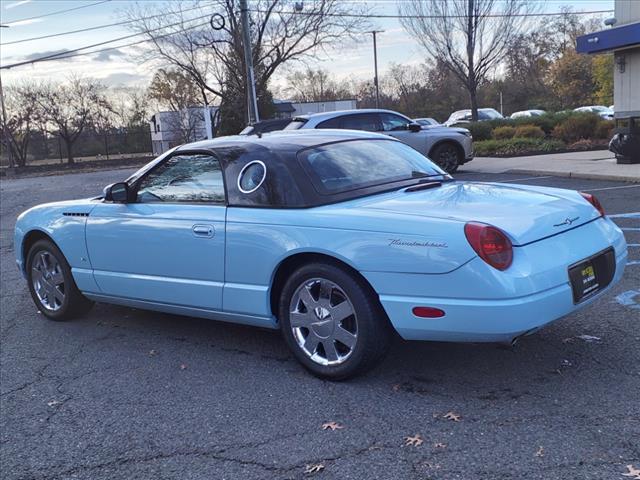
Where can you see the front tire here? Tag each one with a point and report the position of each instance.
(51, 284)
(332, 321)
(447, 156)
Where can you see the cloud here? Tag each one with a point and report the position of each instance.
(28, 21)
(16, 4)
(36, 55)
(108, 54)
(124, 79)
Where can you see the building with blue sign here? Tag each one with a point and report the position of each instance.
(623, 39)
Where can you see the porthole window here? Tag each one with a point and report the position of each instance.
(252, 176)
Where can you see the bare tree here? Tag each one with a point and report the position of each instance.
(468, 37)
(315, 85)
(18, 122)
(214, 58)
(71, 107)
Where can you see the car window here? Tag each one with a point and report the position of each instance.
(361, 121)
(349, 165)
(184, 178)
(391, 122)
(331, 123)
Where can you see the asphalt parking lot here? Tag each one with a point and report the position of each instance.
(125, 393)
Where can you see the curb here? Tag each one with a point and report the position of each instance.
(585, 176)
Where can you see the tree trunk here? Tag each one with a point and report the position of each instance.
(473, 96)
(68, 143)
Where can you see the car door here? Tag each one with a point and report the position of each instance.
(396, 126)
(167, 245)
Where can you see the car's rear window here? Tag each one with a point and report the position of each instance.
(353, 164)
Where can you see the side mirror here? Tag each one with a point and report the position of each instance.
(414, 127)
(117, 192)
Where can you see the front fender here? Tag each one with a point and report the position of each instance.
(64, 223)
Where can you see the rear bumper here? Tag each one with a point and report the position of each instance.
(482, 304)
(487, 320)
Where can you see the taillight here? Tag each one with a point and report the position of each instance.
(593, 201)
(490, 243)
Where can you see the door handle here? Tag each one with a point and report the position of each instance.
(206, 231)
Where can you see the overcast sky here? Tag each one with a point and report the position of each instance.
(118, 67)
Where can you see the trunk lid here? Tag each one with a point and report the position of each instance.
(524, 213)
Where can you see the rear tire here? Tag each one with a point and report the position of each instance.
(51, 284)
(447, 156)
(332, 321)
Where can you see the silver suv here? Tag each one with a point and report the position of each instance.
(448, 147)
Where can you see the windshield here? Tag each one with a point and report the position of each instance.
(353, 164)
(296, 124)
(489, 113)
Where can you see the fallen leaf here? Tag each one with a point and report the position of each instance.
(396, 387)
(414, 441)
(453, 416)
(632, 472)
(332, 426)
(440, 445)
(53, 403)
(589, 338)
(183, 367)
(314, 468)
(540, 452)
(152, 353)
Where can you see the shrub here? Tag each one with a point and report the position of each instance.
(503, 133)
(516, 146)
(479, 130)
(604, 130)
(576, 127)
(529, 131)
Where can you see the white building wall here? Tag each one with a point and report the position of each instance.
(307, 108)
(626, 85)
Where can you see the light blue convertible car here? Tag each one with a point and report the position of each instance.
(337, 238)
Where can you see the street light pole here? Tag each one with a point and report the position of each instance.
(375, 66)
(252, 101)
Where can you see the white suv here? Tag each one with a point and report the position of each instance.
(448, 147)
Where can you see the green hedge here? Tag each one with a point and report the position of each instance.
(516, 146)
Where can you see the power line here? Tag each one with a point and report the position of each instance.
(490, 15)
(57, 12)
(88, 29)
(126, 45)
(69, 53)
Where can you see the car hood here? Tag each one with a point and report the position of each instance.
(445, 129)
(524, 213)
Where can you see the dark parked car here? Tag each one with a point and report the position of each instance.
(266, 126)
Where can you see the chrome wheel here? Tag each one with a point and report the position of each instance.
(323, 321)
(48, 280)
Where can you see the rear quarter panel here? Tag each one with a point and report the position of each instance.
(258, 240)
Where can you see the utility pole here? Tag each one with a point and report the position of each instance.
(252, 101)
(375, 66)
(5, 131)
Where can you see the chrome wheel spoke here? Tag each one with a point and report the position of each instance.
(306, 298)
(311, 343)
(341, 311)
(348, 339)
(58, 295)
(330, 350)
(299, 319)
